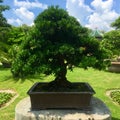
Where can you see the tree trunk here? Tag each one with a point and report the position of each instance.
(61, 80)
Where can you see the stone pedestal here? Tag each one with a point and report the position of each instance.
(99, 111)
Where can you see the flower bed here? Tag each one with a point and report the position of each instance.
(5, 97)
(115, 95)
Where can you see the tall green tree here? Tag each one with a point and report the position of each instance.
(57, 43)
(4, 34)
(112, 41)
(3, 21)
(112, 38)
(116, 23)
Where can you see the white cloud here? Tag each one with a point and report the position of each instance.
(78, 9)
(103, 15)
(25, 15)
(100, 5)
(14, 21)
(28, 4)
(100, 14)
(23, 12)
(98, 22)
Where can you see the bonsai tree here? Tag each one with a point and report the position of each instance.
(56, 43)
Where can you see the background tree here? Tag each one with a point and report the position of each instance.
(16, 36)
(116, 23)
(112, 41)
(3, 21)
(56, 43)
(112, 38)
(4, 35)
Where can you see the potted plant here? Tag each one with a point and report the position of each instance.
(56, 43)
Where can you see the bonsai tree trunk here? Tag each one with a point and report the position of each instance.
(61, 80)
(61, 77)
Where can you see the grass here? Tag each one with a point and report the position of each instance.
(101, 81)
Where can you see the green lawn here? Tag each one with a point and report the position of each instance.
(99, 80)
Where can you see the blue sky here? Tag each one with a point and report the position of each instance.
(90, 13)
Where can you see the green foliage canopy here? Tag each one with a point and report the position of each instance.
(56, 43)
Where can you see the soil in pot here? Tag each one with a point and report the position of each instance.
(71, 87)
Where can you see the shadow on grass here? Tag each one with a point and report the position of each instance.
(31, 78)
(7, 76)
(115, 118)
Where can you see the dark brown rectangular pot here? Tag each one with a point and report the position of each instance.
(46, 100)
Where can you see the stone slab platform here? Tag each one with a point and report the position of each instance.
(99, 111)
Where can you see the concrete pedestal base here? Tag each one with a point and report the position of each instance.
(99, 111)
